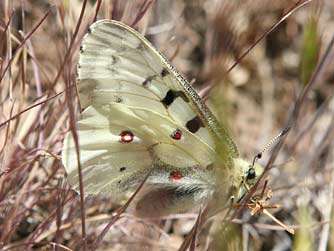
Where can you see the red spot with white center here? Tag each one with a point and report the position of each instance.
(174, 176)
(126, 136)
(177, 134)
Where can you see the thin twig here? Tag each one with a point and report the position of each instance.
(293, 116)
(29, 108)
(119, 212)
(193, 240)
(328, 210)
(204, 93)
(23, 42)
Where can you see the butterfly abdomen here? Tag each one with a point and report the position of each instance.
(175, 194)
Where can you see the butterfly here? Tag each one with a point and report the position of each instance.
(139, 115)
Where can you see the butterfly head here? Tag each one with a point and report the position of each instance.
(246, 175)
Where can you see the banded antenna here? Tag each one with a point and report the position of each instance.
(281, 134)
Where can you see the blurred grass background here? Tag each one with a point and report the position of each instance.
(39, 49)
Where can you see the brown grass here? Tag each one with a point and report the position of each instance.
(39, 43)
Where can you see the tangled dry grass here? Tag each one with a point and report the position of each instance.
(286, 79)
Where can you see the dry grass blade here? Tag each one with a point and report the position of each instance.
(29, 108)
(191, 237)
(6, 138)
(143, 9)
(43, 225)
(118, 213)
(325, 233)
(22, 44)
(72, 126)
(316, 76)
(193, 240)
(98, 6)
(205, 92)
(303, 132)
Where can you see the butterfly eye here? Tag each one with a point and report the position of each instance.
(126, 137)
(251, 174)
(177, 134)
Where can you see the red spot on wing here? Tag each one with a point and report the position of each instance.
(126, 137)
(174, 176)
(177, 134)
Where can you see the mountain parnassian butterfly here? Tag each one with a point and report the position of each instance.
(140, 115)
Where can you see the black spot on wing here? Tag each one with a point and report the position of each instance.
(140, 47)
(113, 60)
(171, 95)
(209, 167)
(118, 99)
(194, 124)
(164, 72)
(169, 98)
(148, 80)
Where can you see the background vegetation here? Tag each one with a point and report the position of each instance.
(39, 41)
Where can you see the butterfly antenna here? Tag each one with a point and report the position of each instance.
(281, 134)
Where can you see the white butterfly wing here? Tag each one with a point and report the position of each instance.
(138, 113)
